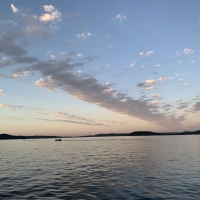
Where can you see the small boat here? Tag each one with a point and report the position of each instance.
(58, 140)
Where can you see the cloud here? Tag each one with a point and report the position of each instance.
(147, 85)
(14, 9)
(155, 95)
(150, 81)
(11, 106)
(110, 45)
(107, 65)
(52, 15)
(145, 55)
(84, 36)
(196, 106)
(25, 73)
(25, 59)
(61, 75)
(149, 53)
(69, 109)
(182, 105)
(47, 83)
(156, 102)
(2, 92)
(79, 54)
(90, 58)
(9, 21)
(141, 55)
(188, 51)
(131, 65)
(9, 47)
(120, 18)
(163, 78)
(186, 84)
(4, 62)
(158, 65)
(72, 121)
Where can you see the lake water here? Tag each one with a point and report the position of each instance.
(152, 167)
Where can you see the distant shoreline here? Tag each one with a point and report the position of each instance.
(15, 137)
(135, 133)
(145, 133)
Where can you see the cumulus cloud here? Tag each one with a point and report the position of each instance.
(120, 18)
(186, 84)
(52, 14)
(145, 55)
(141, 55)
(84, 36)
(188, 51)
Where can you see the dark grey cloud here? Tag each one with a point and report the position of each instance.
(90, 90)
(90, 58)
(183, 105)
(9, 47)
(60, 75)
(4, 76)
(5, 63)
(25, 59)
(196, 106)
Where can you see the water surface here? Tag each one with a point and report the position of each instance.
(141, 167)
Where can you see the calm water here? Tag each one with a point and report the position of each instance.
(157, 167)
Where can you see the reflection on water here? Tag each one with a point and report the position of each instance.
(154, 167)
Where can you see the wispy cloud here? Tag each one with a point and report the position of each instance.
(2, 92)
(110, 45)
(84, 36)
(130, 65)
(14, 9)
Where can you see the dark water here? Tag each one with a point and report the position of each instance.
(157, 167)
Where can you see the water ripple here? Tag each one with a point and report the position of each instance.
(101, 168)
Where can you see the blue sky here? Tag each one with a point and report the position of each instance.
(87, 67)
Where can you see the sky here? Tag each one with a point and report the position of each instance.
(85, 67)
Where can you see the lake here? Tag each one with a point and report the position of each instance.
(140, 167)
